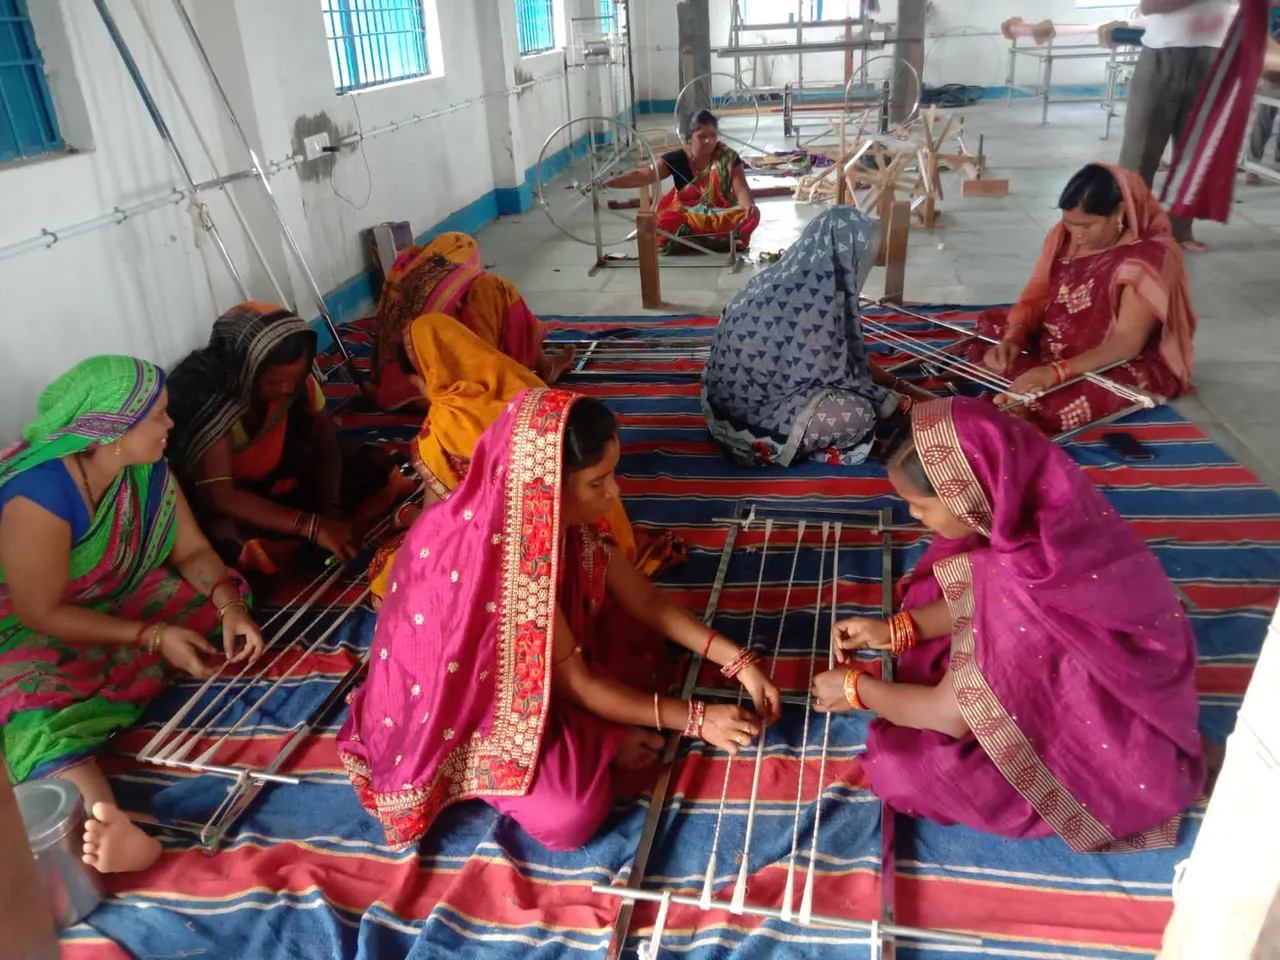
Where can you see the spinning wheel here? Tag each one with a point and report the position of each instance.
(739, 108)
(576, 160)
(895, 91)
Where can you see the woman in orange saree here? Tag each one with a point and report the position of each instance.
(467, 386)
(446, 275)
(710, 200)
(1109, 289)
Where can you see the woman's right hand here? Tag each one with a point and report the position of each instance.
(182, 649)
(1001, 357)
(858, 633)
(336, 537)
(729, 728)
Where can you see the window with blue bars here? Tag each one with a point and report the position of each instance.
(28, 124)
(536, 23)
(606, 16)
(375, 41)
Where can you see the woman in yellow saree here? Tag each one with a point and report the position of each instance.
(710, 200)
(467, 385)
(447, 276)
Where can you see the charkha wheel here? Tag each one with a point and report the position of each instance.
(888, 84)
(576, 161)
(735, 103)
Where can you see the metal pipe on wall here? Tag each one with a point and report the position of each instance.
(131, 65)
(285, 230)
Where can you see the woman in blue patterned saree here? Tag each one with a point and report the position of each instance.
(789, 377)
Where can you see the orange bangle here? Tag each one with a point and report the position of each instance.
(851, 688)
(903, 633)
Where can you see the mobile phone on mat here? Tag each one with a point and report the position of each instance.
(1127, 447)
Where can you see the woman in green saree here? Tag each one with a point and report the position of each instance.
(104, 578)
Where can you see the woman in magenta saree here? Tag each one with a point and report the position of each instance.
(496, 670)
(1046, 682)
(1109, 288)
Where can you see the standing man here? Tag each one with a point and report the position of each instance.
(1181, 39)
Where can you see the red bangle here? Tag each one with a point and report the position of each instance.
(739, 663)
(1061, 371)
(224, 582)
(697, 716)
(903, 633)
(707, 649)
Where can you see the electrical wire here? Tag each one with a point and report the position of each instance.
(368, 171)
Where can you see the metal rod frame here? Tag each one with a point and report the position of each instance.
(630, 893)
(249, 782)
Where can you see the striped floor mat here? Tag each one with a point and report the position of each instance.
(305, 873)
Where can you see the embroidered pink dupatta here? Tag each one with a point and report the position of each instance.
(1072, 659)
(459, 685)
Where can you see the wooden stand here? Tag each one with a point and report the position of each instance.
(647, 248)
(895, 245)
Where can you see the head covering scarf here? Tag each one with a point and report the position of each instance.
(792, 337)
(1166, 291)
(459, 687)
(431, 278)
(94, 403)
(212, 389)
(1072, 659)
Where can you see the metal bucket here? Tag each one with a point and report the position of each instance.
(53, 813)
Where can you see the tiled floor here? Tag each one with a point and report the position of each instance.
(982, 253)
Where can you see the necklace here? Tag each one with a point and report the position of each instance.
(84, 483)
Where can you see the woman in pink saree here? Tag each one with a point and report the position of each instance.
(1109, 291)
(496, 665)
(1046, 682)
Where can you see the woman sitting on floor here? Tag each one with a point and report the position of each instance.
(106, 578)
(492, 675)
(447, 276)
(1047, 674)
(789, 377)
(253, 440)
(467, 385)
(1109, 287)
(710, 200)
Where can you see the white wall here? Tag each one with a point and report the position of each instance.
(964, 45)
(153, 285)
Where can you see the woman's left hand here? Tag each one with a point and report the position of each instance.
(764, 694)
(1034, 381)
(828, 691)
(856, 633)
(236, 622)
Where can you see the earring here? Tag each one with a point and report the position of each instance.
(117, 451)
(1119, 227)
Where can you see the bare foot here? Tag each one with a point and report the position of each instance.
(1252, 180)
(640, 749)
(555, 364)
(115, 844)
(1194, 246)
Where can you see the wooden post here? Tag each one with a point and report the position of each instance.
(895, 268)
(848, 53)
(647, 248)
(842, 185)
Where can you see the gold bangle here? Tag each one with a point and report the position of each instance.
(237, 602)
(157, 637)
(851, 688)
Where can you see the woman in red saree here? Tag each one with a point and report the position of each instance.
(1109, 288)
(1047, 675)
(446, 275)
(494, 674)
(710, 200)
